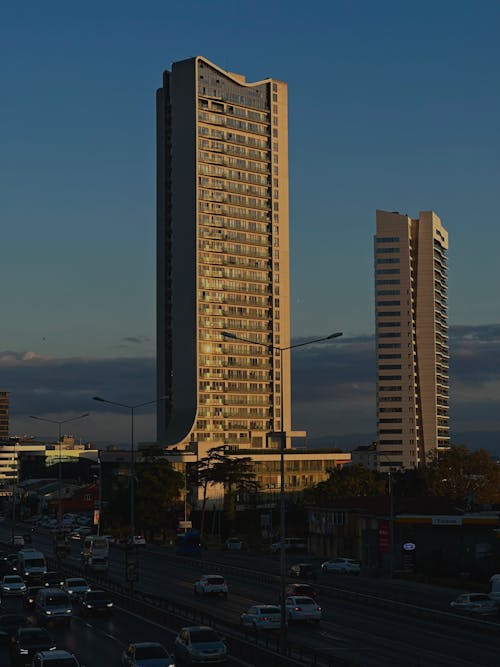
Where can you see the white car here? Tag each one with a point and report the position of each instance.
(75, 586)
(211, 584)
(234, 544)
(55, 659)
(342, 565)
(475, 603)
(300, 608)
(262, 617)
(146, 654)
(12, 584)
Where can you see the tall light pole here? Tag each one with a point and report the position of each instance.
(282, 504)
(132, 409)
(59, 423)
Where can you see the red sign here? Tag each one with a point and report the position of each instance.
(384, 536)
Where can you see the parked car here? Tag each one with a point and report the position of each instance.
(211, 584)
(475, 603)
(9, 624)
(12, 584)
(342, 565)
(292, 545)
(301, 608)
(262, 617)
(75, 586)
(95, 602)
(301, 589)
(302, 571)
(234, 544)
(28, 641)
(55, 659)
(199, 644)
(146, 654)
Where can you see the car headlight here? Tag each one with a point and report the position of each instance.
(70, 592)
(89, 606)
(6, 588)
(68, 611)
(23, 651)
(48, 612)
(109, 604)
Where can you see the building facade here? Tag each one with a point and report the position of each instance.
(412, 338)
(223, 258)
(4, 414)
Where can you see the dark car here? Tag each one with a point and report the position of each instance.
(28, 641)
(30, 595)
(301, 589)
(8, 563)
(53, 580)
(95, 602)
(9, 624)
(302, 571)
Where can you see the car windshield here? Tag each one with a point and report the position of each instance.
(203, 636)
(12, 580)
(479, 598)
(144, 652)
(270, 610)
(99, 596)
(34, 636)
(304, 601)
(77, 582)
(57, 599)
(215, 580)
(303, 590)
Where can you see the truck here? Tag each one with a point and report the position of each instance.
(31, 564)
(95, 551)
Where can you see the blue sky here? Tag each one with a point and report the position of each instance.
(392, 105)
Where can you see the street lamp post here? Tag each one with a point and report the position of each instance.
(282, 503)
(59, 423)
(132, 409)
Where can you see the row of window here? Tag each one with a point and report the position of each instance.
(225, 159)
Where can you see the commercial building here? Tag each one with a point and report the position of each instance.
(411, 337)
(4, 414)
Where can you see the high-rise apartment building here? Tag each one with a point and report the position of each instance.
(223, 258)
(4, 414)
(412, 338)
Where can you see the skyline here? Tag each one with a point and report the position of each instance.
(408, 129)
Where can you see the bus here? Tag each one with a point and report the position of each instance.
(188, 544)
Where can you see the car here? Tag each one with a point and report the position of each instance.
(302, 608)
(28, 641)
(302, 571)
(292, 545)
(12, 584)
(475, 603)
(30, 595)
(8, 563)
(53, 580)
(146, 654)
(75, 586)
(199, 644)
(211, 584)
(301, 589)
(262, 617)
(9, 624)
(138, 540)
(95, 602)
(18, 541)
(53, 605)
(342, 565)
(56, 658)
(234, 544)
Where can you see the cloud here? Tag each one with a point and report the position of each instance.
(333, 386)
(136, 339)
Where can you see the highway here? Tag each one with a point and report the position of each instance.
(360, 630)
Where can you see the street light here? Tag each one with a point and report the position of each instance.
(132, 453)
(232, 336)
(59, 422)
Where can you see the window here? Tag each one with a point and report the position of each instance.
(388, 292)
(387, 239)
(387, 260)
(382, 272)
(387, 282)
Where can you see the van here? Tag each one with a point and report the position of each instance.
(292, 545)
(53, 605)
(31, 564)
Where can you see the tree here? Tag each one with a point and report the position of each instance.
(201, 475)
(158, 489)
(346, 482)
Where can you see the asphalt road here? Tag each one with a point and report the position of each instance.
(361, 630)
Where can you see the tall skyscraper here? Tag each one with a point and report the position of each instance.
(4, 414)
(412, 338)
(223, 258)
